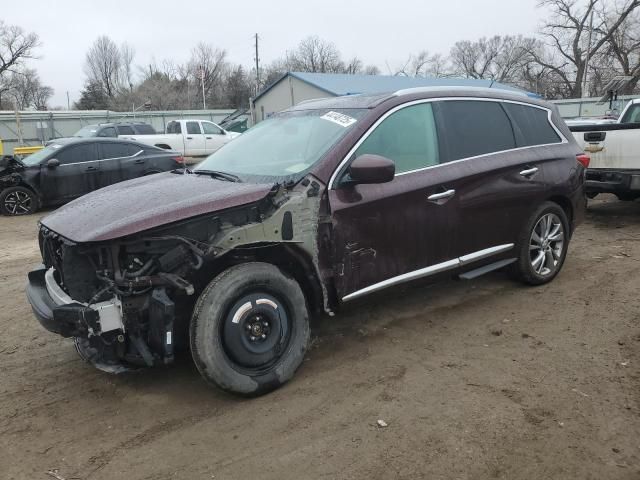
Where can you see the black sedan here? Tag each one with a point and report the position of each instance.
(69, 168)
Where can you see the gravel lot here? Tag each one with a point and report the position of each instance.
(482, 379)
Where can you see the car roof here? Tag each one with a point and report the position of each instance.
(81, 140)
(370, 101)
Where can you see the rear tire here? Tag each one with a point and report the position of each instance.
(542, 245)
(16, 201)
(250, 329)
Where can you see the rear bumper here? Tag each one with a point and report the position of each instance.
(613, 181)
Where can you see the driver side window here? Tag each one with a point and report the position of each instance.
(408, 137)
(210, 128)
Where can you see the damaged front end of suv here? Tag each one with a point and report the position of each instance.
(127, 301)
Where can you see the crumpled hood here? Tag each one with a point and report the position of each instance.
(147, 202)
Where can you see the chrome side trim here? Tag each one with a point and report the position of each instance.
(100, 160)
(405, 277)
(345, 160)
(487, 252)
(430, 270)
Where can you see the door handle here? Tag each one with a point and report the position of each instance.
(529, 171)
(189, 138)
(209, 138)
(91, 169)
(139, 161)
(441, 196)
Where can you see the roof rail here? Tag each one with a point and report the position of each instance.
(407, 91)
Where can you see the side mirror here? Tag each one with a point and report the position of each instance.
(370, 168)
(53, 163)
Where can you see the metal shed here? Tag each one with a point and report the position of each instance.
(295, 87)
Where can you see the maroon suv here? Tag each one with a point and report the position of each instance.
(321, 204)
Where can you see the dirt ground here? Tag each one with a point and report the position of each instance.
(482, 379)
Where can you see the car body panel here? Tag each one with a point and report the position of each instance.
(143, 203)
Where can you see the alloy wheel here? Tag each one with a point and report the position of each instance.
(546, 244)
(18, 203)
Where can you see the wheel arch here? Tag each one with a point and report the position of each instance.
(289, 258)
(164, 146)
(566, 205)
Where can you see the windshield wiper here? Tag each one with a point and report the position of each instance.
(229, 177)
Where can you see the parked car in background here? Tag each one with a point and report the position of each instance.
(319, 205)
(191, 138)
(111, 130)
(69, 168)
(615, 154)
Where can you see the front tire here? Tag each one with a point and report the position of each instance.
(250, 329)
(542, 245)
(16, 201)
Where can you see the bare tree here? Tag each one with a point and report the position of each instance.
(103, 65)
(315, 55)
(207, 65)
(422, 64)
(496, 58)
(27, 90)
(568, 32)
(15, 47)
(127, 54)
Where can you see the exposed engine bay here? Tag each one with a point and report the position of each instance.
(128, 302)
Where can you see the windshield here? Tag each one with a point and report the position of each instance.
(88, 131)
(40, 155)
(284, 146)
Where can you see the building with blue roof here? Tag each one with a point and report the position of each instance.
(295, 87)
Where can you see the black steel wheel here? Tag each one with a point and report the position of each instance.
(250, 329)
(16, 201)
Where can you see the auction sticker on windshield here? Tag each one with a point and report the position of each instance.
(339, 118)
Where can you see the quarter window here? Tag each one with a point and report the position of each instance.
(408, 137)
(193, 128)
(533, 127)
(174, 127)
(473, 127)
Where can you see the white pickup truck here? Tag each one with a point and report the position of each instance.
(615, 154)
(192, 138)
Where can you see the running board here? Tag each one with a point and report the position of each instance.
(487, 268)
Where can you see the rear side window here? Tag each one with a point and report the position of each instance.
(116, 150)
(408, 137)
(108, 132)
(78, 154)
(174, 127)
(532, 125)
(193, 127)
(144, 129)
(473, 127)
(125, 130)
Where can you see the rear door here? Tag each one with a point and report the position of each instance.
(500, 181)
(76, 175)
(194, 140)
(389, 233)
(215, 137)
(119, 161)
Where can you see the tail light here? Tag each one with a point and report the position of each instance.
(180, 159)
(583, 159)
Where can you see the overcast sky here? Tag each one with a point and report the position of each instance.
(376, 31)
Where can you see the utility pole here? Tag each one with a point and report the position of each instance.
(257, 59)
(204, 100)
(68, 106)
(586, 60)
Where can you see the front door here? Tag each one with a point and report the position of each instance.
(397, 231)
(215, 137)
(119, 162)
(76, 175)
(194, 140)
